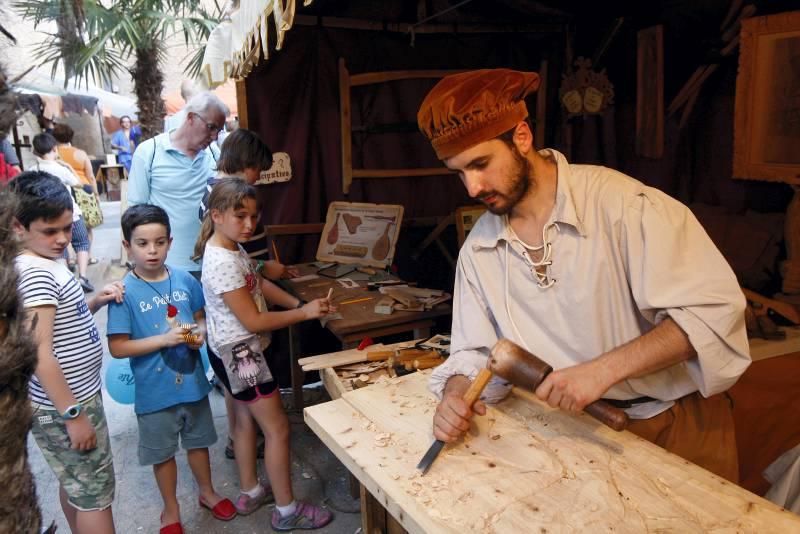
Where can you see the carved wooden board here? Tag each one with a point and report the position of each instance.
(527, 468)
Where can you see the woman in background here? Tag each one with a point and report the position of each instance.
(81, 165)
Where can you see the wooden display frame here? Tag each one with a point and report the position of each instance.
(763, 110)
(360, 233)
(347, 82)
(466, 218)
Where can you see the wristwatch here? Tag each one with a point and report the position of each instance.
(72, 412)
(300, 304)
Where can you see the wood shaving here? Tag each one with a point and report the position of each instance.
(439, 484)
(346, 430)
(382, 440)
(368, 425)
(364, 378)
(464, 497)
(395, 477)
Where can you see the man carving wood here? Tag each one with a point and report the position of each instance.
(613, 283)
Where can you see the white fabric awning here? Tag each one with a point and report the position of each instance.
(237, 44)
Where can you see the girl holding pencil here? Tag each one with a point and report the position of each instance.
(239, 326)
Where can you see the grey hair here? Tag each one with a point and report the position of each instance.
(205, 101)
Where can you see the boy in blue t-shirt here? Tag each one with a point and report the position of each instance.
(160, 325)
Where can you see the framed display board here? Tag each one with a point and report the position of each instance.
(466, 217)
(360, 233)
(767, 118)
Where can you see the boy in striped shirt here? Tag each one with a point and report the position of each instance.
(69, 423)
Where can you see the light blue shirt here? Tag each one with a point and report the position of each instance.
(164, 176)
(170, 375)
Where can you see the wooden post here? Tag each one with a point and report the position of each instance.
(344, 113)
(650, 92)
(541, 107)
(241, 103)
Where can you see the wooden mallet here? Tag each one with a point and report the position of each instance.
(515, 364)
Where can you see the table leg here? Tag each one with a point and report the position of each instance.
(375, 519)
(297, 371)
(422, 333)
(373, 516)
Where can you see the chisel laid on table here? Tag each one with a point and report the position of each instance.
(469, 397)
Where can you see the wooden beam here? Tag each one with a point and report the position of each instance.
(650, 92)
(541, 107)
(400, 173)
(316, 228)
(294, 229)
(360, 24)
(345, 118)
(368, 78)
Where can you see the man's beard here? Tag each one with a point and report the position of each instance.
(519, 182)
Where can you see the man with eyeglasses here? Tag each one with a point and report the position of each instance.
(171, 171)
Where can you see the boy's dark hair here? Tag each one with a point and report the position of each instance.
(243, 149)
(63, 133)
(43, 143)
(40, 195)
(141, 214)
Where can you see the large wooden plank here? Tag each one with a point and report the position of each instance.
(334, 359)
(527, 468)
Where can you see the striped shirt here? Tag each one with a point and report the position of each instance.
(76, 341)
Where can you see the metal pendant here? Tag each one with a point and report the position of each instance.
(178, 379)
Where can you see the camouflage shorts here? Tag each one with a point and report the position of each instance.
(86, 476)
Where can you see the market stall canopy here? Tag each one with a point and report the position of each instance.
(174, 102)
(237, 44)
(110, 103)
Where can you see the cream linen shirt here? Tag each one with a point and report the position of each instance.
(624, 257)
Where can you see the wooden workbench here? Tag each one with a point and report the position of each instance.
(526, 468)
(359, 319)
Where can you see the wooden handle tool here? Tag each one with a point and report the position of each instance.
(515, 364)
(469, 397)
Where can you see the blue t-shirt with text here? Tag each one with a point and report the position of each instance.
(171, 375)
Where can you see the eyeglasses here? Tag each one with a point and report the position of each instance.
(210, 126)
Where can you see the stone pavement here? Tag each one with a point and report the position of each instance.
(316, 474)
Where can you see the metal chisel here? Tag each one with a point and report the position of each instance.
(469, 397)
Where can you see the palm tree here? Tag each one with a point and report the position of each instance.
(95, 40)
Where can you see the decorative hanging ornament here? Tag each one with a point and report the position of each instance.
(585, 91)
(172, 311)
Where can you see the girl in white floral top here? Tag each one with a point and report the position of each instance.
(237, 316)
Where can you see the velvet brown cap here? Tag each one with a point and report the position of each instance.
(466, 109)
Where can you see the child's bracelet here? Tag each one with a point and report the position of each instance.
(259, 266)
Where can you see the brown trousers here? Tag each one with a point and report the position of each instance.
(697, 429)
